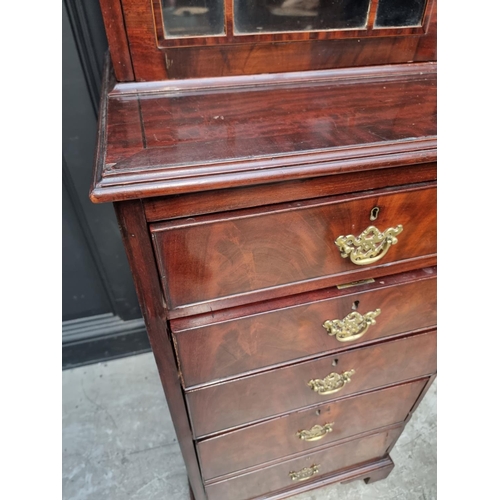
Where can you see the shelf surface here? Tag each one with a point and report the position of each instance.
(173, 137)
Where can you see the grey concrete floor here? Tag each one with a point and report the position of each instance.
(119, 442)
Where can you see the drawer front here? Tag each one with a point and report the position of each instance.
(391, 305)
(230, 404)
(281, 437)
(327, 461)
(209, 258)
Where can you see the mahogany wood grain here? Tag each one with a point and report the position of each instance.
(271, 463)
(148, 61)
(112, 15)
(218, 350)
(333, 113)
(218, 134)
(281, 303)
(278, 437)
(175, 206)
(372, 12)
(123, 128)
(254, 58)
(137, 244)
(267, 53)
(300, 288)
(331, 459)
(242, 401)
(119, 130)
(426, 49)
(214, 257)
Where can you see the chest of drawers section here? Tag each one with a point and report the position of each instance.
(287, 279)
(280, 375)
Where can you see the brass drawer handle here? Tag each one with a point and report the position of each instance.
(352, 327)
(371, 245)
(316, 433)
(305, 473)
(331, 383)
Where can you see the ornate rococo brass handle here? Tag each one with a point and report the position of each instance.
(331, 383)
(315, 433)
(371, 245)
(305, 473)
(352, 327)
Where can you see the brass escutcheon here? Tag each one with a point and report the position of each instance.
(352, 327)
(370, 246)
(315, 433)
(331, 383)
(305, 473)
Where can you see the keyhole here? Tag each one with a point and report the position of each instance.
(374, 213)
(334, 362)
(355, 305)
(318, 412)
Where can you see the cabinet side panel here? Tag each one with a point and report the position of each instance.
(135, 236)
(117, 39)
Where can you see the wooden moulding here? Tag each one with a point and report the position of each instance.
(187, 205)
(200, 135)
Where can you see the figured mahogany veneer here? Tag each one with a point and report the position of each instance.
(206, 262)
(213, 346)
(278, 437)
(239, 402)
(274, 477)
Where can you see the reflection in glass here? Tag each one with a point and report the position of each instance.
(392, 13)
(183, 18)
(260, 16)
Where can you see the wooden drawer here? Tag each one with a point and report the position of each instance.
(231, 404)
(213, 347)
(279, 437)
(327, 460)
(216, 261)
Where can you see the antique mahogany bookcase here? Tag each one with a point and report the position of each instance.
(272, 164)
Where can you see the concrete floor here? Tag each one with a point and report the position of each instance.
(119, 442)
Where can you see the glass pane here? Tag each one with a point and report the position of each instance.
(260, 16)
(399, 13)
(183, 18)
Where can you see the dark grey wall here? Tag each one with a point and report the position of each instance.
(96, 277)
